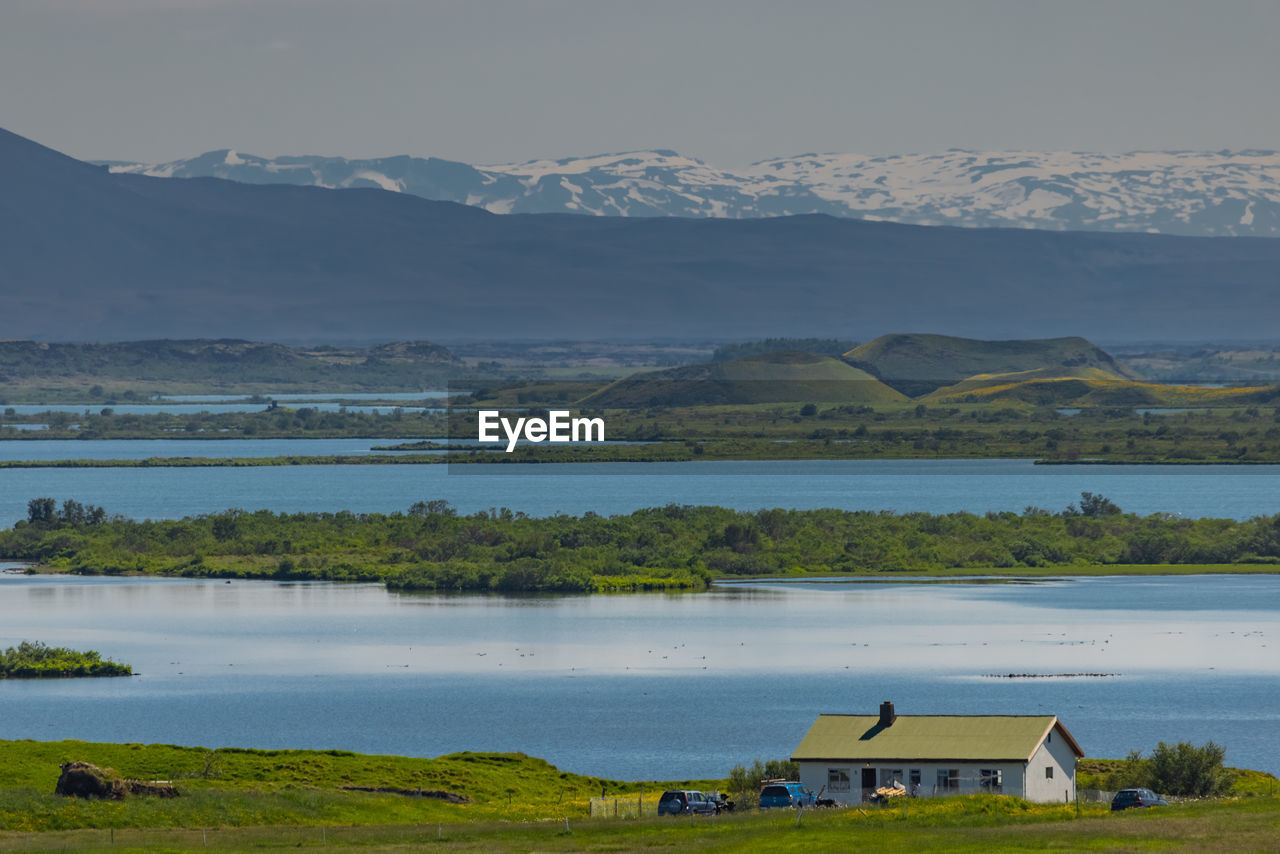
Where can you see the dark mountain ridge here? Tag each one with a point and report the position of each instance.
(407, 365)
(90, 255)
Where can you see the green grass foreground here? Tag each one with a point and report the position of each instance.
(253, 800)
(980, 825)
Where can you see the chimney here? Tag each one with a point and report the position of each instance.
(887, 717)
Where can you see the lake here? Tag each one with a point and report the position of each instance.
(934, 486)
(656, 686)
(141, 449)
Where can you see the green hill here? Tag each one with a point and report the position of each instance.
(789, 376)
(1093, 387)
(1041, 385)
(917, 364)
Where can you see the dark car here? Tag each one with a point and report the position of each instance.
(686, 802)
(1133, 798)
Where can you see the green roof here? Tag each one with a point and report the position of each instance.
(924, 737)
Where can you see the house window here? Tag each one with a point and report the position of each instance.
(915, 779)
(992, 780)
(1048, 772)
(890, 776)
(948, 779)
(837, 779)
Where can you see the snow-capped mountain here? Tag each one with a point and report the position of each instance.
(1174, 192)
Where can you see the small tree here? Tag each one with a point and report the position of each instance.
(1190, 771)
(1177, 769)
(42, 511)
(1097, 505)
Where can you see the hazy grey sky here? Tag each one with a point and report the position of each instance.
(727, 81)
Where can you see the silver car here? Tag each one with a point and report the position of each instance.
(686, 802)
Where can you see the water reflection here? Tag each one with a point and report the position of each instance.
(354, 666)
(1079, 625)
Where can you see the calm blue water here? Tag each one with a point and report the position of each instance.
(593, 683)
(934, 486)
(141, 449)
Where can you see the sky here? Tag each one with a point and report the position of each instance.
(726, 81)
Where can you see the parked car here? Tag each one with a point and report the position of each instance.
(1130, 798)
(786, 794)
(686, 802)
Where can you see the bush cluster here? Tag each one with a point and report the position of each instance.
(1181, 769)
(35, 660)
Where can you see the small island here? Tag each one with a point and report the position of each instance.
(35, 660)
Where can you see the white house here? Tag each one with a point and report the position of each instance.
(846, 757)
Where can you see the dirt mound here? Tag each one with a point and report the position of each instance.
(85, 780)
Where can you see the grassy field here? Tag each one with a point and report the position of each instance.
(250, 800)
(241, 787)
(981, 824)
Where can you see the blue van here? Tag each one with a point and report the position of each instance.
(785, 794)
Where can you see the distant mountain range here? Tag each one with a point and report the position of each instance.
(406, 365)
(1170, 192)
(86, 254)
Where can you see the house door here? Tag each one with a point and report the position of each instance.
(868, 781)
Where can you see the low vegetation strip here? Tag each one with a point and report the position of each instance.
(1243, 432)
(35, 660)
(432, 547)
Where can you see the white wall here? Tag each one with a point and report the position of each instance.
(1053, 753)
